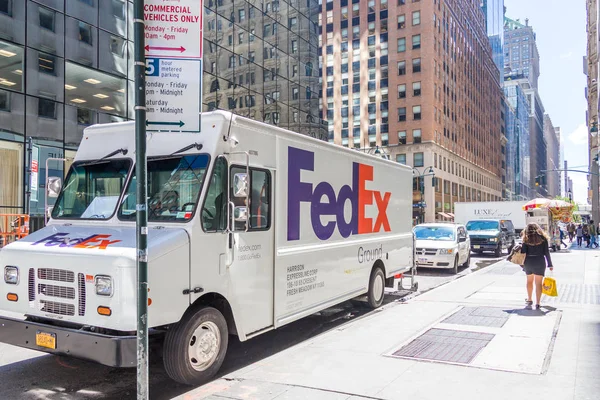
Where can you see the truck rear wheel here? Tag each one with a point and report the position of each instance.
(195, 348)
(376, 288)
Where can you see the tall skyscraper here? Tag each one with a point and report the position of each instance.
(444, 109)
(521, 56)
(552, 139)
(494, 17)
(67, 64)
(522, 66)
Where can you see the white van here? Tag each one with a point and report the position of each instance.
(251, 227)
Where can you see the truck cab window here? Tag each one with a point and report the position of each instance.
(260, 199)
(92, 190)
(214, 210)
(174, 185)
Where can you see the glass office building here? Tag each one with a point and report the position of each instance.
(494, 18)
(518, 155)
(67, 64)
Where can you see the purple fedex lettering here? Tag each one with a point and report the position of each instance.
(323, 199)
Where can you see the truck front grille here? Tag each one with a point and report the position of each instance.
(428, 252)
(62, 292)
(54, 307)
(60, 275)
(31, 284)
(479, 240)
(81, 289)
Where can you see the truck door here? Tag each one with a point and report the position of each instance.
(252, 271)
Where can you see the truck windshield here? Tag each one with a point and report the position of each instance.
(92, 190)
(174, 185)
(483, 226)
(434, 233)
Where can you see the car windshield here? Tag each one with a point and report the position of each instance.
(174, 185)
(434, 233)
(482, 225)
(92, 190)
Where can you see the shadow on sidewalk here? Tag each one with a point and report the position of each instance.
(528, 312)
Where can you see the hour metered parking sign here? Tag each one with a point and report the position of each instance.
(173, 33)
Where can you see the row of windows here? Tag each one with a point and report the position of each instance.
(418, 159)
(416, 43)
(416, 90)
(416, 66)
(416, 113)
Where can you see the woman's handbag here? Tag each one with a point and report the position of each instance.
(518, 258)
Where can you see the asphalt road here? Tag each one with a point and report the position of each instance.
(28, 374)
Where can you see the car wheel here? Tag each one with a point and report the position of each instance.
(498, 251)
(467, 263)
(376, 288)
(195, 347)
(455, 269)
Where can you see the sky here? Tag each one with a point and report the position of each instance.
(562, 42)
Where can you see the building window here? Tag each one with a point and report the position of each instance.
(416, 18)
(416, 42)
(46, 108)
(4, 100)
(294, 48)
(47, 64)
(401, 67)
(401, 21)
(402, 91)
(292, 22)
(416, 65)
(88, 2)
(117, 46)
(118, 9)
(6, 7)
(416, 136)
(416, 89)
(47, 18)
(402, 137)
(241, 15)
(84, 116)
(401, 2)
(416, 113)
(401, 45)
(295, 94)
(401, 158)
(85, 33)
(418, 160)
(401, 114)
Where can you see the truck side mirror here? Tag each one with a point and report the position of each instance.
(54, 186)
(240, 185)
(240, 214)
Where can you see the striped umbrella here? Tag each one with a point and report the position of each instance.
(536, 203)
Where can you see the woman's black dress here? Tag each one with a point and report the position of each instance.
(538, 257)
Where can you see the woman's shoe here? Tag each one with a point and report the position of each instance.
(528, 304)
(537, 306)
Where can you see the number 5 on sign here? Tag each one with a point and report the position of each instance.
(152, 68)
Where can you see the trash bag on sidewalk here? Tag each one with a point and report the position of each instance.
(549, 287)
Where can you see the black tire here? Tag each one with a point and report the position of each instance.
(376, 291)
(178, 361)
(455, 268)
(467, 263)
(498, 251)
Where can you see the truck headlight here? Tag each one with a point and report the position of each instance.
(493, 240)
(11, 275)
(104, 285)
(446, 251)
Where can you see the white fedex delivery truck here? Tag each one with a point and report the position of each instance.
(251, 227)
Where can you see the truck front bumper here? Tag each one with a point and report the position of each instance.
(484, 247)
(113, 351)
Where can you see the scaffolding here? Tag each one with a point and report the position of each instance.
(13, 227)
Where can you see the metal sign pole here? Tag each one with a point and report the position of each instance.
(141, 221)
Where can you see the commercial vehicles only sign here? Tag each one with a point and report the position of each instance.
(173, 28)
(173, 34)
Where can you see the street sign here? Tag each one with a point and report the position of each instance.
(173, 93)
(34, 177)
(173, 29)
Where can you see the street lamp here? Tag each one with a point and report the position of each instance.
(429, 171)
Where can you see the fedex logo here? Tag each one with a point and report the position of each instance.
(100, 242)
(325, 202)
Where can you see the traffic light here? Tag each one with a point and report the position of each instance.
(540, 180)
(537, 181)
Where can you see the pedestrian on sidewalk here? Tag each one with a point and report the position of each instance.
(579, 232)
(537, 259)
(571, 231)
(562, 238)
(592, 233)
(586, 235)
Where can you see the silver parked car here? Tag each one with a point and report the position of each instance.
(442, 245)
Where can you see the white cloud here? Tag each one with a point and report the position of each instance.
(565, 56)
(579, 135)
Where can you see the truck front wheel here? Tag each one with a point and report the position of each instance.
(195, 347)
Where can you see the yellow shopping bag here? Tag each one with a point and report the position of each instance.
(549, 287)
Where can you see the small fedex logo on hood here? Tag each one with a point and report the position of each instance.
(357, 195)
(100, 242)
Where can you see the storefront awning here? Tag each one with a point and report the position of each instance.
(451, 215)
(444, 215)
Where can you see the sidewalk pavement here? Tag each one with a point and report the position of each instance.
(469, 339)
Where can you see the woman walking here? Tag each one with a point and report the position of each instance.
(537, 259)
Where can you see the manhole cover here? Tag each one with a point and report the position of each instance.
(446, 345)
(575, 294)
(479, 316)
